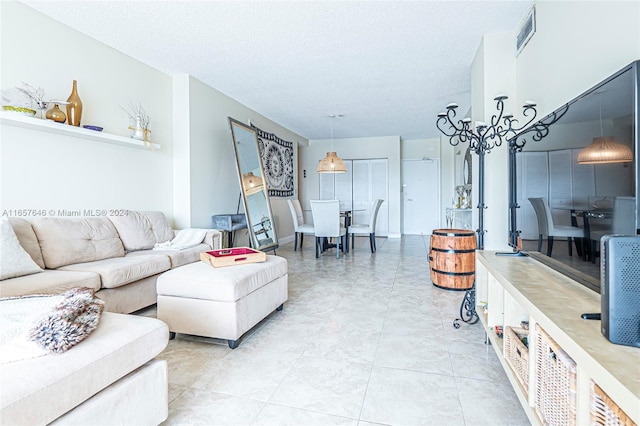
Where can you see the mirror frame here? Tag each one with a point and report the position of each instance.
(467, 168)
(234, 125)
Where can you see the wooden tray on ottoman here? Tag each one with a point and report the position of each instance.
(232, 256)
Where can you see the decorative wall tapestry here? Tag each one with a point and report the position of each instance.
(277, 159)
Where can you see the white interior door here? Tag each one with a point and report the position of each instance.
(420, 196)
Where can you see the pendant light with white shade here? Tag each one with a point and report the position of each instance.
(332, 163)
(604, 150)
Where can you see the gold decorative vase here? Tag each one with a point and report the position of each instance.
(74, 108)
(56, 114)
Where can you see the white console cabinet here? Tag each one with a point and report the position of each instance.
(516, 289)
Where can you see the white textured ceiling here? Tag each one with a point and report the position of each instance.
(388, 66)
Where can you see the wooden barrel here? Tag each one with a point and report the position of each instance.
(452, 258)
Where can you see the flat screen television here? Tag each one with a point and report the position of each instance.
(544, 164)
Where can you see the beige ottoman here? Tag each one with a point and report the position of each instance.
(223, 303)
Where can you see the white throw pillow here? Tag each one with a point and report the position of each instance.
(14, 260)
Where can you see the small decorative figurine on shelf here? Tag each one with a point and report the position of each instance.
(36, 95)
(467, 190)
(460, 202)
(139, 122)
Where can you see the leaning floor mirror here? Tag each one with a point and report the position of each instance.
(262, 233)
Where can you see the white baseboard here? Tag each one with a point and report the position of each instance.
(285, 240)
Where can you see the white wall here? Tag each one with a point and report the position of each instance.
(204, 151)
(577, 44)
(419, 148)
(495, 68)
(46, 171)
(355, 148)
(191, 178)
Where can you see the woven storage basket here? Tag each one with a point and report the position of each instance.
(517, 354)
(604, 411)
(555, 400)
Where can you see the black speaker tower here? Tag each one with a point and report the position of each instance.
(620, 289)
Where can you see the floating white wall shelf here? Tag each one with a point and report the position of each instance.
(17, 120)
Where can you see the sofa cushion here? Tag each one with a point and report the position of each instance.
(118, 271)
(39, 390)
(161, 228)
(14, 260)
(177, 257)
(142, 230)
(28, 239)
(48, 282)
(67, 241)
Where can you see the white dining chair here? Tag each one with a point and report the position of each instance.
(299, 227)
(369, 228)
(622, 222)
(547, 228)
(326, 222)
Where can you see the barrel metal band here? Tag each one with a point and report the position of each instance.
(452, 250)
(456, 274)
(453, 234)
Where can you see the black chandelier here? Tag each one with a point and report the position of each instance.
(482, 138)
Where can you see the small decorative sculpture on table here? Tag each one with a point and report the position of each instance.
(139, 122)
(462, 200)
(467, 191)
(457, 203)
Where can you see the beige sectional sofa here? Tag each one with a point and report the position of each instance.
(111, 377)
(113, 255)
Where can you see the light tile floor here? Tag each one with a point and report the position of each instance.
(363, 340)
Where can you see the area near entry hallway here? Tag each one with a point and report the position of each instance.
(420, 196)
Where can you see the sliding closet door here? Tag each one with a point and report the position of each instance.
(370, 182)
(380, 190)
(533, 168)
(560, 186)
(364, 182)
(361, 191)
(343, 187)
(337, 186)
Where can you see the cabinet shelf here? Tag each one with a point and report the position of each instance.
(498, 346)
(48, 126)
(518, 289)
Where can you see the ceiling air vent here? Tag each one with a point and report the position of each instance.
(527, 29)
